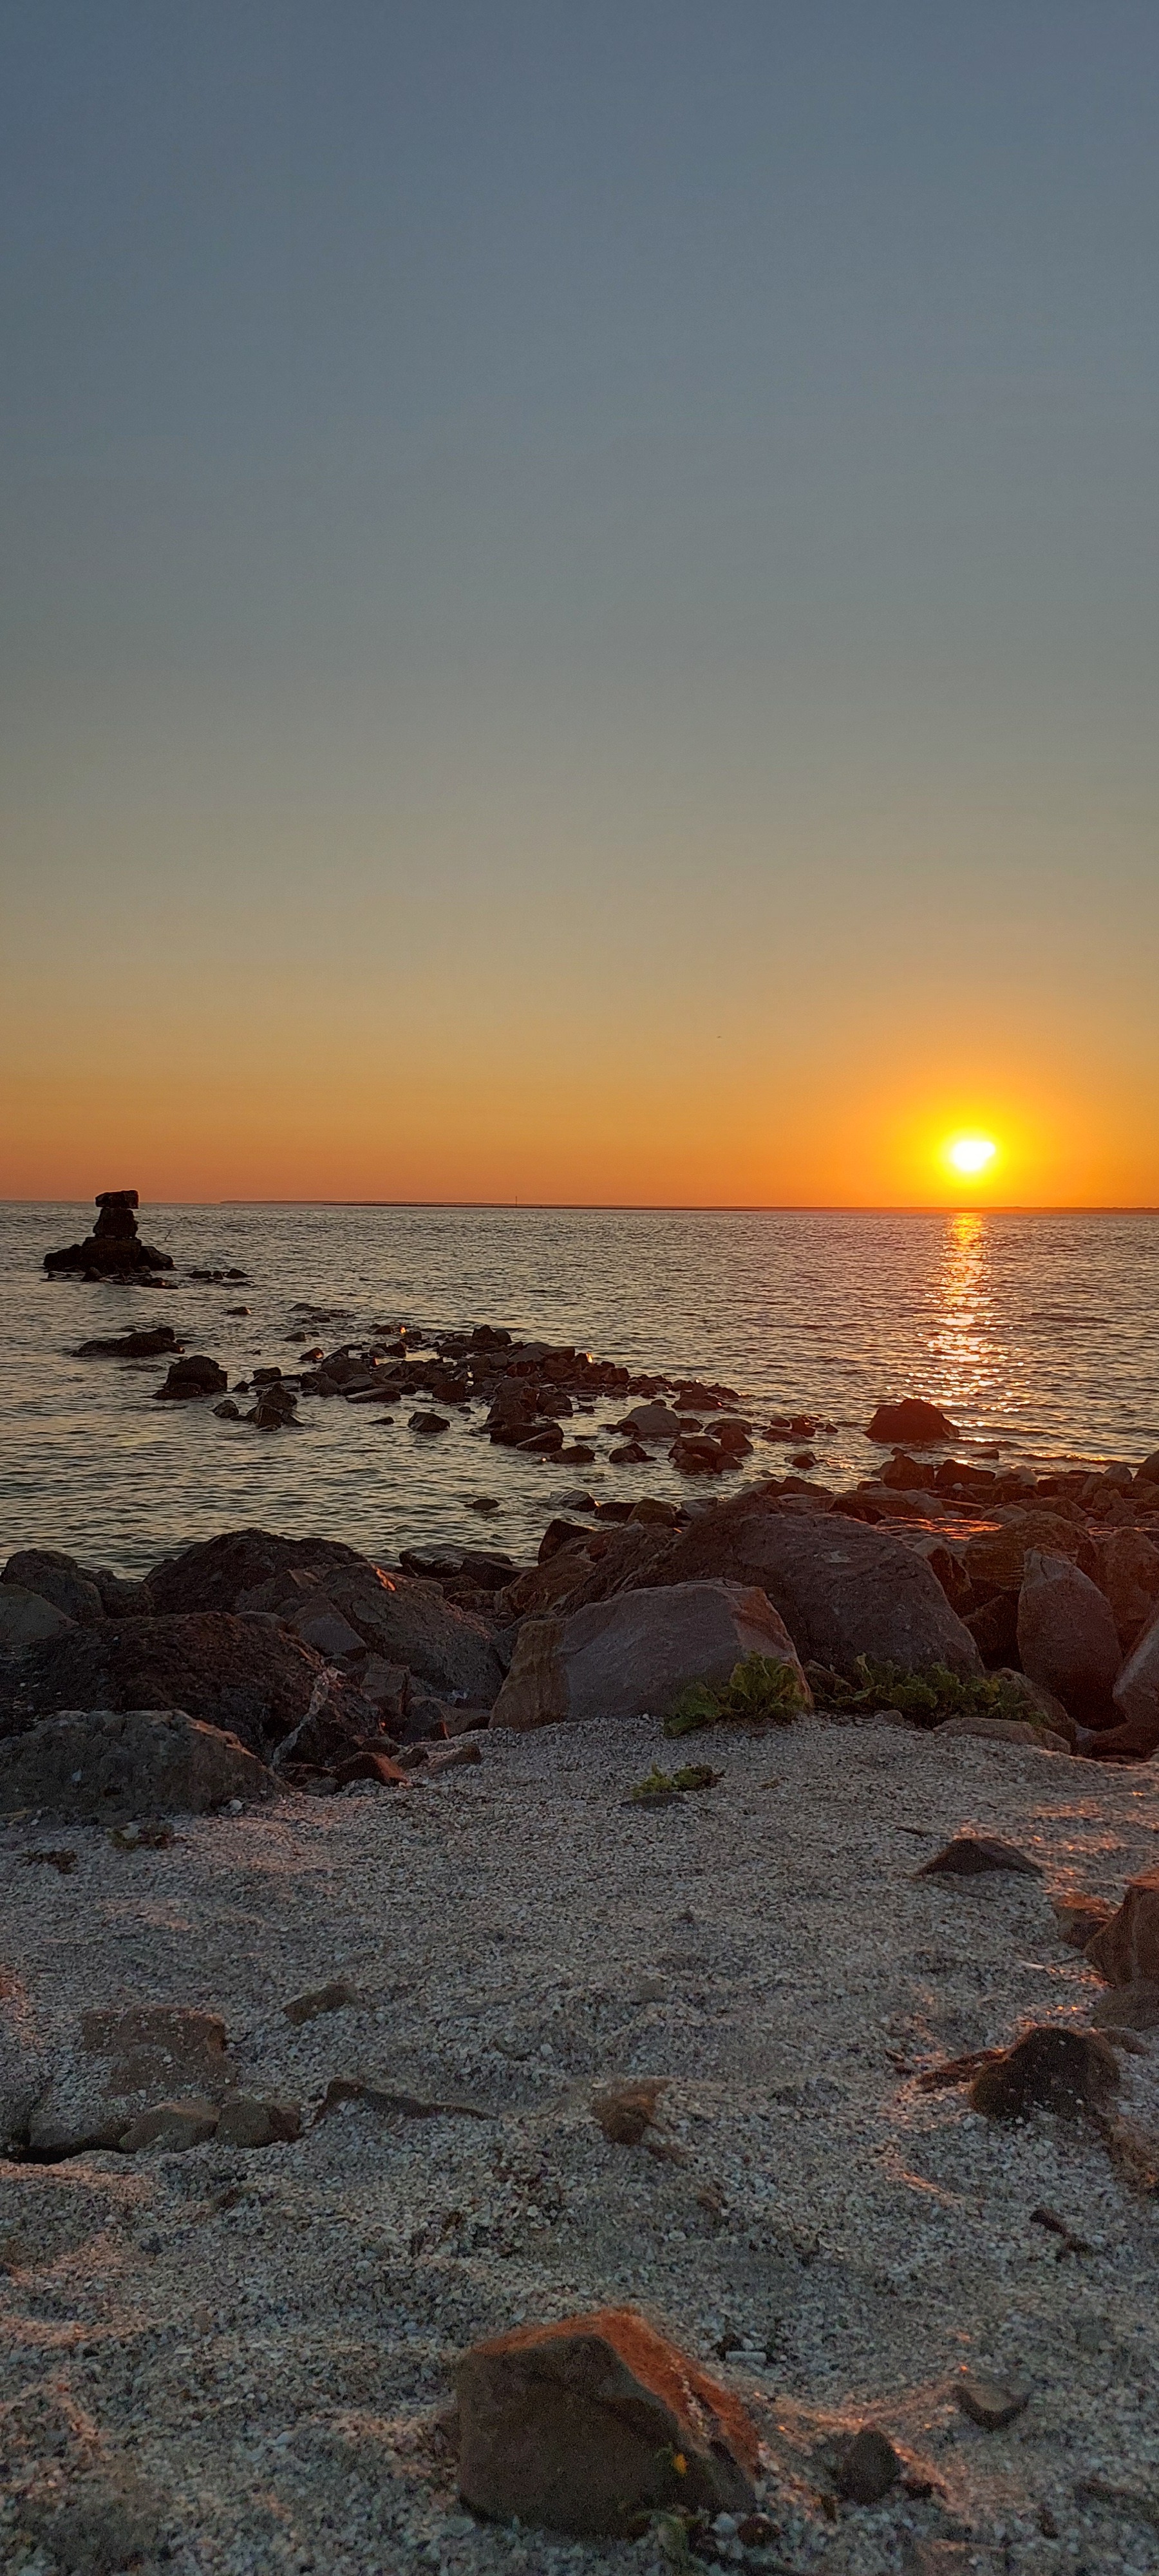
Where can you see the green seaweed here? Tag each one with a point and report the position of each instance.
(929, 1697)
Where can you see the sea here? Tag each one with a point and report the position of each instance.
(1038, 1334)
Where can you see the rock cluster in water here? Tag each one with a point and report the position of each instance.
(114, 1248)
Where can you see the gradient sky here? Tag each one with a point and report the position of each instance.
(580, 598)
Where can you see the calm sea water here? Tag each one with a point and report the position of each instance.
(1039, 1332)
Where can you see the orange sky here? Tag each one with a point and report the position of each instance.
(579, 605)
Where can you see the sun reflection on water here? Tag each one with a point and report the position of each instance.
(962, 1341)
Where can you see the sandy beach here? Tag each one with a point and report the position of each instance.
(239, 2360)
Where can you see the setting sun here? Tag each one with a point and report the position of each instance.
(971, 1154)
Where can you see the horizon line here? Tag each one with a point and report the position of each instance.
(670, 1207)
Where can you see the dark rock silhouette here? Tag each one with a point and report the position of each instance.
(113, 1249)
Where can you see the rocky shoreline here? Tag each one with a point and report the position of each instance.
(376, 1953)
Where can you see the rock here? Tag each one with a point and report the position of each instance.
(25, 1618)
(147, 1344)
(986, 2404)
(243, 1677)
(429, 1422)
(913, 1423)
(843, 1589)
(970, 1855)
(650, 1512)
(1066, 1636)
(320, 1625)
(257, 2120)
(227, 1410)
(275, 1410)
(191, 1378)
(338, 1996)
(124, 2068)
(1133, 2007)
(632, 1454)
(403, 1622)
(995, 1560)
(112, 1246)
(369, 1763)
(113, 1765)
(698, 1454)
(1048, 2069)
(1126, 1950)
(624, 2110)
(868, 2468)
(994, 1628)
(636, 1653)
(1148, 1472)
(1128, 1573)
(651, 1422)
(72, 1589)
(1003, 1730)
(579, 2426)
(1079, 1918)
(1136, 1698)
(171, 2127)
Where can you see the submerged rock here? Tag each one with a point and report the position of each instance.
(913, 1421)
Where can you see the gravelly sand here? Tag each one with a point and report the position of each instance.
(269, 2361)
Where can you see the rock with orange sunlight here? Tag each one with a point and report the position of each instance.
(1126, 1950)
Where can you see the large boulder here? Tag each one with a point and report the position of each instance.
(635, 1654)
(246, 1676)
(1136, 1699)
(80, 1592)
(582, 2425)
(1066, 1637)
(113, 1247)
(995, 1559)
(843, 1588)
(913, 1423)
(1126, 1950)
(405, 1621)
(134, 1762)
(25, 1617)
(190, 1379)
(1128, 1572)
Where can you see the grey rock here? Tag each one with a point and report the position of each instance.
(114, 1764)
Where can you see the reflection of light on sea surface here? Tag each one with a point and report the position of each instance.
(962, 1337)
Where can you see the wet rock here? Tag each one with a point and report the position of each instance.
(651, 1422)
(634, 1654)
(1066, 1636)
(990, 2407)
(227, 1410)
(971, 1855)
(429, 1422)
(1126, 1950)
(868, 2467)
(1048, 2069)
(581, 2425)
(244, 1677)
(913, 1423)
(698, 1454)
(113, 1765)
(631, 1454)
(190, 1379)
(275, 1410)
(147, 1344)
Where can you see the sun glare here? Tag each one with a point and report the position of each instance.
(971, 1154)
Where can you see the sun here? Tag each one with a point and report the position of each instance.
(971, 1155)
